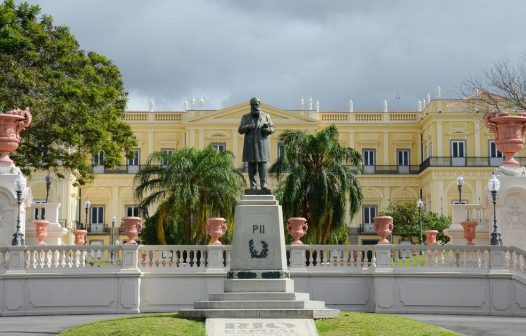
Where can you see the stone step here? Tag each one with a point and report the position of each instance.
(249, 296)
(267, 304)
(259, 285)
(259, 313)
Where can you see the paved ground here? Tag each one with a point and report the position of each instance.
(471, 325)
(466, 325)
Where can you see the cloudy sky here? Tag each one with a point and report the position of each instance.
(332, 50)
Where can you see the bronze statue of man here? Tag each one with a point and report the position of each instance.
(256, 126)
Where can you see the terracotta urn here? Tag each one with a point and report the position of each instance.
(216, 227)
(131, 226)
(431, 237)
(383, 226)
(297, 228)
(469, 227)
(80, 237)
(41, 231)
(12, 123)
(509, 134)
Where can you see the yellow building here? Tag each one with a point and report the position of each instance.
(407, 155)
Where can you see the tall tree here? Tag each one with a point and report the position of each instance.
(407, 225)
(190, 186)
(320, 181)
(501, 87)
(77, 98)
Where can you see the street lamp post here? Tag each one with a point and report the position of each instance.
(460, 183)
(87, 206)
(420, 206)
(113, 220)
(20, 186)
(493, 186)
(49, 179)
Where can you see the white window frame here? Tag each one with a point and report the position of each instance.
(97, 214)
(458, 152)
(132, 163)
(403, 159)
(495, 157)
(131, 210)
(369, 160)
(369, 211)
(164, 163)
(281, 149)
(219, 146)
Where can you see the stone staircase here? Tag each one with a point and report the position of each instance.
(257, 298)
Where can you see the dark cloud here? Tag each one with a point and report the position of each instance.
(332, 50)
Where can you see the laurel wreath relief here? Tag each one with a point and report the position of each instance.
(254, 253)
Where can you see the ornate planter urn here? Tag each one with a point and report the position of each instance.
(80, 237)
(216, 227)
(12, 123)
(131, 226)
(383, 226)
(469, 227)
(509, 134)
(431, 237)
(41, 231)
(297, 228)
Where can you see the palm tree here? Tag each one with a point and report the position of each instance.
(190, 186)
(320, 181)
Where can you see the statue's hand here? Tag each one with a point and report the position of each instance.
(250, 126)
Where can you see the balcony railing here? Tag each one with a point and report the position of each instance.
(433, 161)
(390, 169)
(468, 161)
(367, 228)
(98, 228)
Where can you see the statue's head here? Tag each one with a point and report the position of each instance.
(255, 106)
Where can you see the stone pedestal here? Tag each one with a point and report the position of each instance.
(55, 231)
(475, 212)
(258, 284)
(511, 210)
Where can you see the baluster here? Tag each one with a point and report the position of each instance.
(203, 260)
(34, 257)
(373, 259)
(83, 257)
(310, 258)
(178, 258)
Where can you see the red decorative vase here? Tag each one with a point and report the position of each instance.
(12, 123)
(509, 134)
(297, 228)
(216, 227)
(469, 230)
(431, 237)
(41, 231)
(80, 237)
(131, 226)
(383, 226)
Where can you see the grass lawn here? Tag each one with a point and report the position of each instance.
(347, 324)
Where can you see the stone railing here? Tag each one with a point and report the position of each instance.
(452, 279)
(515, 259)
(319, 258)
(153, 117)
(63, 257)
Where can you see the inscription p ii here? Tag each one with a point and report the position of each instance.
(258, 228)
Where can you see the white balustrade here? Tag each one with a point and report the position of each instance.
(319, 258)
(173, 257)
(515, 259)
(63, 257)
